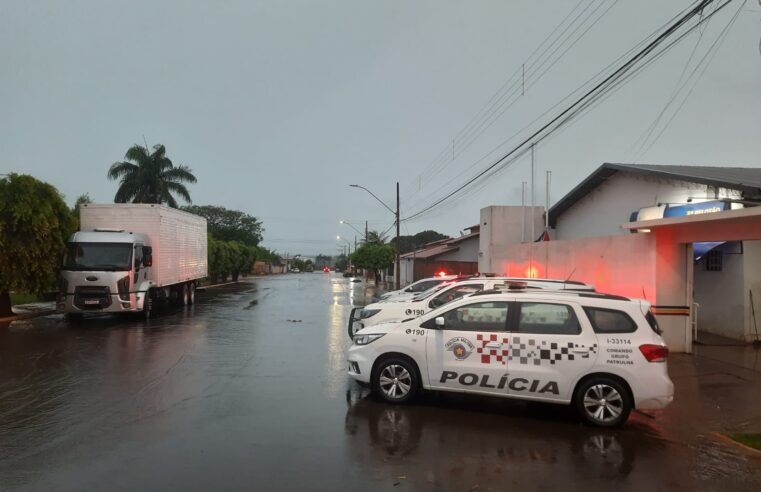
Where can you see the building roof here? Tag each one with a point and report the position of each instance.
(744, 179)
(440, 247)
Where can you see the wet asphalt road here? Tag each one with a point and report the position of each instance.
(247, 390)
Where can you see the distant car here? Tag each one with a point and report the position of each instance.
(602, 354)
(294, 270)
(326, 269)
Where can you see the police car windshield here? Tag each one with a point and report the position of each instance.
(431, 291)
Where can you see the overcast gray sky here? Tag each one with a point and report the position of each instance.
(278, 106)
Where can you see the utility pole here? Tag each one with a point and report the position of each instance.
(398, 272)
(533, 176)
(547, 205)
(523, 210)
(365, 231)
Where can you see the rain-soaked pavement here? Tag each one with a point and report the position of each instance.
(247, 390)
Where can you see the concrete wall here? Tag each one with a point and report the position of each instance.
(752, 281)
(604, 209)
(502, 226)
(720, 295)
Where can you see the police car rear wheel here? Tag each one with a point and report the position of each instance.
(395, 380)
(603, 402)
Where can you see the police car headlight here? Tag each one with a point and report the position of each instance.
(365, 339)
(367, 313)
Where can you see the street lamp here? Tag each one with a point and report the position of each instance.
(396, 217)
(352, 226)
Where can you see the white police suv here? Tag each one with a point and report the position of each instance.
(602, 354)
(417, 287)
(438, 295)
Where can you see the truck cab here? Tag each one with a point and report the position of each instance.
(105, 271)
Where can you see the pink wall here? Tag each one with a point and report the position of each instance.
(623, 265)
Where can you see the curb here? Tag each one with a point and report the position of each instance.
(216, 285)
(727, 439)
(36, 314)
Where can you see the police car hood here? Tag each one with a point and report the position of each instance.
(385, 327)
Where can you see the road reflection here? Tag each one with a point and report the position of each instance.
(454, 442)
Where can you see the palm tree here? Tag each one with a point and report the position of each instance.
(375, 237)
(150, 177)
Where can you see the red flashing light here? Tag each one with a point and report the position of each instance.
(654, 353)
(442, 274)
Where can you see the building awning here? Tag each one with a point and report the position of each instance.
(731, 225)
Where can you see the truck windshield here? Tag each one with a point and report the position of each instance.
(98, 256)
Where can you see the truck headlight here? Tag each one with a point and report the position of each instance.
(365, 339)
(123, 287)
(368, 313)
(63, 288)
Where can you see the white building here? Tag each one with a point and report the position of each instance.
(679, 236)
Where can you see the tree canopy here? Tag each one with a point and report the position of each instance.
(373, 257)
(34, 226)
(417, 241)
(229, 225)
(150, 177)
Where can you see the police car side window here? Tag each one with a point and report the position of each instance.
(547, 319)
(482, 316)
(610, 320)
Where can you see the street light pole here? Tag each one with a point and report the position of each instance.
(397, 272)
(396, 217)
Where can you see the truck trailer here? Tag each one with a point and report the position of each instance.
(126, 257)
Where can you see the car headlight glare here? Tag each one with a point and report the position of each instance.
(367, 313)
(365, 339)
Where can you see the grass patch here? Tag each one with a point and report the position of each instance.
(750, 440)
(20, 298)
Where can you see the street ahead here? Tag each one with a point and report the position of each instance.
(247, 390)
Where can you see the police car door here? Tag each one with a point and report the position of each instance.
(469, 353)
(549, 348)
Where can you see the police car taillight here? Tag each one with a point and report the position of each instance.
(654, 353)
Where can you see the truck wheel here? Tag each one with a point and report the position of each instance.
(147, 312)
(191, 292)
(184, 295)
(603, 402)
(395, 380)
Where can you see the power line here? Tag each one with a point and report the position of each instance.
(585, 100)
(485, 117)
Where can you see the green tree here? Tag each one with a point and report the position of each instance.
(417, 241)
(342, 263)
(150, 177)
(242, 259)
(229, 225)
(375, 237)
(220, 260)
(374, 257)
(34, 226)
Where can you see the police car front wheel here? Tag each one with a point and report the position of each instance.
(395, 380)
(603, 402)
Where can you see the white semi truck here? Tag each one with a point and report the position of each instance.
(126, 257)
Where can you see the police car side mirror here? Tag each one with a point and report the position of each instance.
(440, 321)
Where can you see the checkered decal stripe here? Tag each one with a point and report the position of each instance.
(528, 351)
(489, 355)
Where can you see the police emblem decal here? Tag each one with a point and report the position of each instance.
(460, 347)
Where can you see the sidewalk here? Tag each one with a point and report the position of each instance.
(717, 389)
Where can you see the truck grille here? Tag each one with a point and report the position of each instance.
(92, 297)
